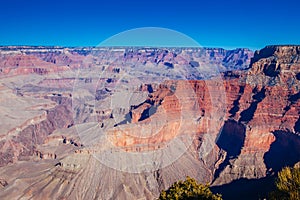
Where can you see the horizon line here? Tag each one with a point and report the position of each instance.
(144, 46)
(134, 46)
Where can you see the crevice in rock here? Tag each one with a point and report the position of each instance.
(101, 94)
(169, 65)
(193, 63)
(292, 100)
(298, 76)
(149, 88)
(148, 112)
(236, 104)
(248, 114)
(271, 70)
(3, 183)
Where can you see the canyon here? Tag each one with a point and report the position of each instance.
(125, 123)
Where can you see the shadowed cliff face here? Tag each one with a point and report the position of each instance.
(259, 133)
(297, 125)
(298, 76)
(247, 189)
(284, 151)
(232, 138)
(248, 114)
(236, 107)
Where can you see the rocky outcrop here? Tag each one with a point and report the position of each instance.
(267, 114)
(3, 183)
(275, 65)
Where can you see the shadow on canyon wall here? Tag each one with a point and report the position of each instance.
(284, 151)
(231, 140)
(246, 189)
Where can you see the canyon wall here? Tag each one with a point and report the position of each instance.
(243, 127)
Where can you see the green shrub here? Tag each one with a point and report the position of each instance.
(287, 185)
(188, 190)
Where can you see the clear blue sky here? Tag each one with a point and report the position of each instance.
(213, 23)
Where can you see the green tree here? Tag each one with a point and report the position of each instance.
(287, 185)
(188, 190)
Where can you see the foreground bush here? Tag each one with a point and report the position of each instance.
(188, 190)
(287, 185)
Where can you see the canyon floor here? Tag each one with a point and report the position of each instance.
(125, 123)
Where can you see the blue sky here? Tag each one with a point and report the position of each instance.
(213, 23)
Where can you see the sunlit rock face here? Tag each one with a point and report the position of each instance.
(125, 123)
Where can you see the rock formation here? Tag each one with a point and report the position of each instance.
(104, 133)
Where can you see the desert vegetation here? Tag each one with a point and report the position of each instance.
(189, 189)
(287, 184)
